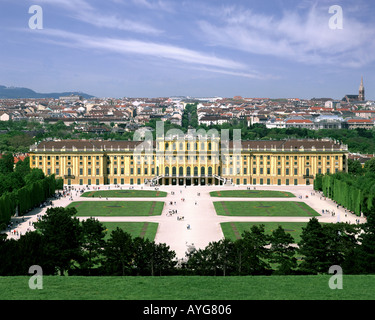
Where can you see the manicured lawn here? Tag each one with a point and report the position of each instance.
(189, 288)
(251, 194)
(124, 194)
(233, 230)
(145, 230)
(264, 208)
(117, 208)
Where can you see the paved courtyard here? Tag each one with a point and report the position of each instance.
(198, 212)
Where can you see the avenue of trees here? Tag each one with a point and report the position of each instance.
(22, 189)
(62, 245)
(354, 190)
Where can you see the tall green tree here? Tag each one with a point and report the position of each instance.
(313, 248)
(31, 251)
(370, 166)
(9, 256)
(119, 253)
(34, 175)
(282, 251)
(6, 163)
(142, 250)
(93, 233)
(355, 167)
(198, 262)
(161, 258)
(255, 254)
(23, 167)
(365, 253)
(62, 236)
(341, 243)
(219, 256)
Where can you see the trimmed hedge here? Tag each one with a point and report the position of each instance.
(26, 198)
(355, 193)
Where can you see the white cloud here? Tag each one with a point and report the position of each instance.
(81, 10)
(155, 5)
(114, 22)
(250, 75)
(76, 5)
(302, 37)
(159, 50)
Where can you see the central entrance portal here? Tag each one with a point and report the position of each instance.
(188, 181)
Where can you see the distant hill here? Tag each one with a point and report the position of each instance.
(25, 93)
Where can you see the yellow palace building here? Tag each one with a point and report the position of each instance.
(182, 161)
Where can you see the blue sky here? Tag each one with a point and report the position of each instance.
(159, 48)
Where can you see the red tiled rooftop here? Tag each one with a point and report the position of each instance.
(360, 121)
(299, 121)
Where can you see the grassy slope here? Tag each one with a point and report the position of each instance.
(189, 288)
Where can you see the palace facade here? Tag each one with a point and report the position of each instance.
(181, 161)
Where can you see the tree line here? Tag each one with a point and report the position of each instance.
(354, 190)
(17, 136)
(22, 188)
(321, 246)
(61, 244)
(64, 245)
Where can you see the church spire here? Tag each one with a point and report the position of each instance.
(361, 95)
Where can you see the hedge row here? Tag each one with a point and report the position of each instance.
(354, 193)
(26, 198)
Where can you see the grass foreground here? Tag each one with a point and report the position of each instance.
(355, 287)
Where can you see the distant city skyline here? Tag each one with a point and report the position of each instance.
(164, 48)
